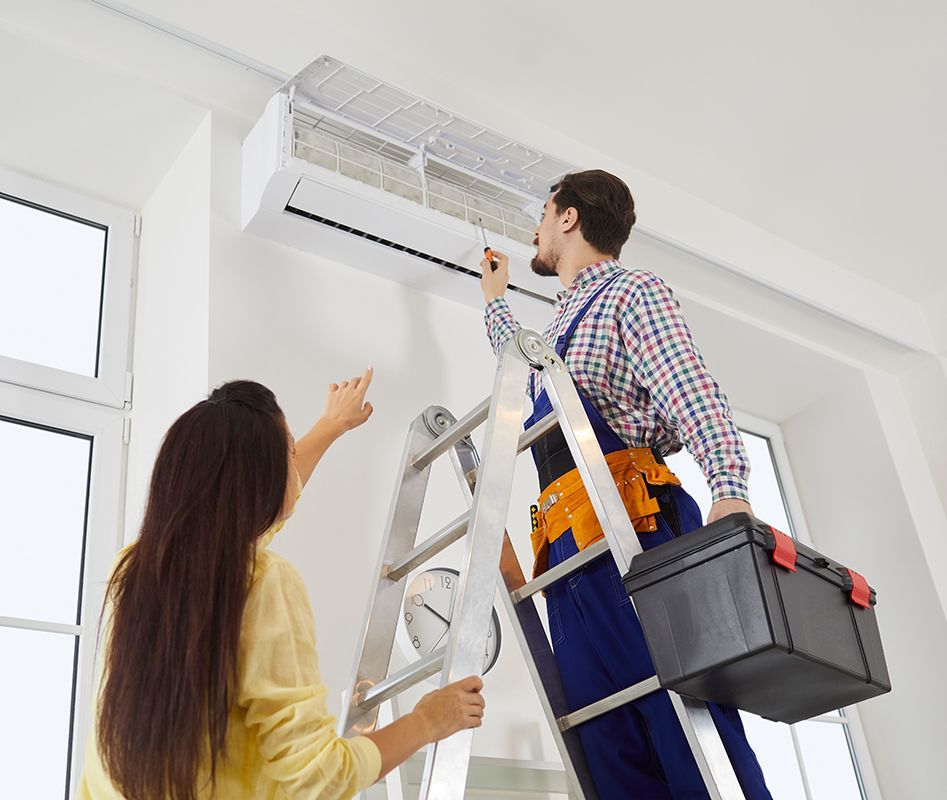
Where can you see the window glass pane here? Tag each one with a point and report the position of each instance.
(828, 761)
(765, 494)
(692, 479)
(51, 270)
(772, 743)
(44, 477)
(37, 673)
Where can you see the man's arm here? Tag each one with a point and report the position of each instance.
(669, 366)
(501, 324)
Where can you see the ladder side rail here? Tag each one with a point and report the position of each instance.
(533, 642)
(701, 733)
(445, 770)
(707, 746)
(373, 656)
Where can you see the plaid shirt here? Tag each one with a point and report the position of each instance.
(635, 359)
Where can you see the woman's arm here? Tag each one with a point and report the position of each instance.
(284, 700)
(345, 409)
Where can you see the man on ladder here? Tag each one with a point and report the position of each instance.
(646, 390)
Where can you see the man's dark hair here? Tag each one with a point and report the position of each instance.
(605, 205)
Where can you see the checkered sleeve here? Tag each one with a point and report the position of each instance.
(500, 322)
(685, 395)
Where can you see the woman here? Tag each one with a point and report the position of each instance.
(211, 685)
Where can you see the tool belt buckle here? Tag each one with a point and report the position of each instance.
(549, 502)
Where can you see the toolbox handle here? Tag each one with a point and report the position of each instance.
(859, 592)
(784, 550)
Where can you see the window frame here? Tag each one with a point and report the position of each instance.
(849, 718)
(112, 386)
(104, 528)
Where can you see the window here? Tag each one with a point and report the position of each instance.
(65, 267)
(52, 267)
(40, 577)
(825, 758)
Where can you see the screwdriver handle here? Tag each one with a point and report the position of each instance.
(488, 252)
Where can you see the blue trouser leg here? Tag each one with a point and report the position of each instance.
(638, 750)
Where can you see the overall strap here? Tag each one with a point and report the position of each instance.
(562, 343)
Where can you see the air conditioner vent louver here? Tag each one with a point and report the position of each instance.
(404, 249)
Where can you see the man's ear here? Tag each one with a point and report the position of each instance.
(569, 220)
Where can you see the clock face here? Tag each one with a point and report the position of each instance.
(426, 614)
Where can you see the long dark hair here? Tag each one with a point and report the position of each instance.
(179, 592)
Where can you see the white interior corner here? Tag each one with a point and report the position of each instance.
(788, 171)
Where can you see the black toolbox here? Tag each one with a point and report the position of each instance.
(741, 614)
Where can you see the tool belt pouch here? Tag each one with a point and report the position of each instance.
(565, 504)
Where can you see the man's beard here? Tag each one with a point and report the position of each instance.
(544, 267)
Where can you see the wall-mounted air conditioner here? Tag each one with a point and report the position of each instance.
(360, 172)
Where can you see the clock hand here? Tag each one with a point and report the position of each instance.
(434, 646)
(445, 621)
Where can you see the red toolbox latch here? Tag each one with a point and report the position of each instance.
(784, 553)
(861, 593)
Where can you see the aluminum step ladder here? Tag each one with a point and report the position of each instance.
(487, 483)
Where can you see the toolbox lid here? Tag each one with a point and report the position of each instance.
(733, 531)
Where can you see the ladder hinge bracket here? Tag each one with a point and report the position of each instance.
(536, 352)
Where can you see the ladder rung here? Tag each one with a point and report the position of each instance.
(429, 548)
(599, 707)
(537, 431)
(453, 434)
(405, 679)
(560, 571)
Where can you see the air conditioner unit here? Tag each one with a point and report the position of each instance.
(360, 172)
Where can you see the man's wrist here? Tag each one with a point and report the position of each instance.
(719, 500)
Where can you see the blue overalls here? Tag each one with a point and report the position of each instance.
(637, 750)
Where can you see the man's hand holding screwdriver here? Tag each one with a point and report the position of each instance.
(494, 282)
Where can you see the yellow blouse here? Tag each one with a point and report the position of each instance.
(281, 740)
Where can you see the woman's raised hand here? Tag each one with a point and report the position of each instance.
(345, 404)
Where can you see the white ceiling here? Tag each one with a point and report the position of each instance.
(59, 133)
(821, 122)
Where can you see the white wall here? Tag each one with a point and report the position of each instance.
(171, 318)
(857, 509)
(925, 388)
(935, 311)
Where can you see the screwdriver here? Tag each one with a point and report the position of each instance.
(487, 250)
